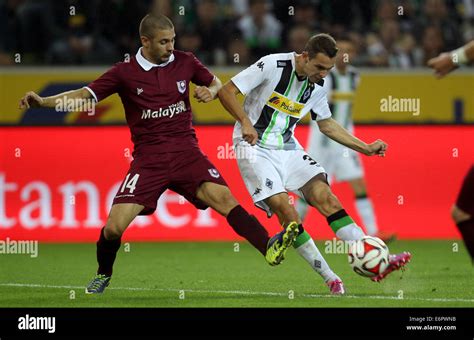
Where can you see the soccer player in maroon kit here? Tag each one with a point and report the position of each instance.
(153, 87)
(462, 211)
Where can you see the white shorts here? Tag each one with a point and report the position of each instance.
(269, 172)
(339, 161)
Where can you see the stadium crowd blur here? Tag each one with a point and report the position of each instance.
(386, 33)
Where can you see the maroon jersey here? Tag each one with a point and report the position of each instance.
(155, 99)
(465, 200)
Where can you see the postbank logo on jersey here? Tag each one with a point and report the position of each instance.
(283, 104)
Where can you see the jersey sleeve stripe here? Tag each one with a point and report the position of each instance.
(91, 92)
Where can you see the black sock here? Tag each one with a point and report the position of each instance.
(336, 216)
(467, 231)
(106, 253)
(249, 227)
(300, 229)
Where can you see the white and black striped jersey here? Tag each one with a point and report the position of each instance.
(276, 99)
(341, 91)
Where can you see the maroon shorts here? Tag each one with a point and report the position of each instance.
(465, 200)
(182, 172)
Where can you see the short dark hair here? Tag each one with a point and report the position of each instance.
(321, 43)
(154, 22)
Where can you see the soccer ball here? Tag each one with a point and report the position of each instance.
(368, 256)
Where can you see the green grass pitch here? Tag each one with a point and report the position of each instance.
(215, 275)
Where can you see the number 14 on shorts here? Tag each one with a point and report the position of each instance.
(130, 184)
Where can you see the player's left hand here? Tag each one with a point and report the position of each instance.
(442, 64)
(379, 147)
(203, 94)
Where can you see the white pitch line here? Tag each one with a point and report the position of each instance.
(238, 292)
(385, 297)
(245, 292)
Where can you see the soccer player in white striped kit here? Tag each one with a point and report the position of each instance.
(280, 90)
(339, 161)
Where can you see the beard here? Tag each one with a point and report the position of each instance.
(165, 57)
(161, 58)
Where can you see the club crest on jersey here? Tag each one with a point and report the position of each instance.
(306, 94)
(181, 86)
(214, 173)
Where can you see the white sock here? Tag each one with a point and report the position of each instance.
(366, 213)
(310, 252)
(350, 232)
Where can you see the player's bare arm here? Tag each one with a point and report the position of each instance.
(448, 61)
(205, 94)
(336, 132)
(31, 99)
(228, 97)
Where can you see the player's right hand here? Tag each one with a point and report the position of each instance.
(379, 147)
(442, 64)
(30, 99)
(249, 134)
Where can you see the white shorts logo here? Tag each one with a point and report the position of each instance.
(181, 86)
(214, 173)
(269, 184)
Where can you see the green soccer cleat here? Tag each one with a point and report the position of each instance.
(98, 284)
(279, 244)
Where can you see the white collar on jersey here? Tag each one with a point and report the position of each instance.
(146, 65)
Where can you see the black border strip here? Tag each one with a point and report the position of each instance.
(240, 323)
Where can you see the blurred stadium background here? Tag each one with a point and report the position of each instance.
(59, 170)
